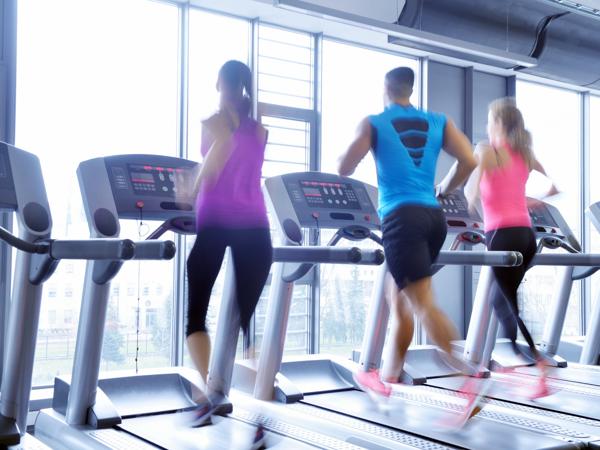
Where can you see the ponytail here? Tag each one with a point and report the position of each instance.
(506, 112)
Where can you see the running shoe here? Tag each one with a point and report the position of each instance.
(531, 387)
(539, 389)
(202, 414)
(371, 383)
(474, 390)
(259, 440)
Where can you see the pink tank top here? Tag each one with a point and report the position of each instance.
(236, 199)
(503, 194)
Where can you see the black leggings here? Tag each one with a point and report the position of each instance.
(252, 256)
(508, 279)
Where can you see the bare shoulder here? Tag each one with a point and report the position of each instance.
(485, 153)
(365, 124)
(216, 123)
(262, 132)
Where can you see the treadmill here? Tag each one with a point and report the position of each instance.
(414, 410)
(586, 349)
(23, 192)
(147, 410)
(578, 393)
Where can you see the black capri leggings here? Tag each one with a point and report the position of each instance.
(252, 256)
(508, 279)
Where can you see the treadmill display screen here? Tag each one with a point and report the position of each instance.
(3, 167)
(541, 217)
(8, 197)
(153, 180)
(320, 194)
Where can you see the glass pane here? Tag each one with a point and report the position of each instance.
(346, 290)
(232, 38)
(594, 185)
(287, 151)
(107, 91)
(557, 144)
(285, 64)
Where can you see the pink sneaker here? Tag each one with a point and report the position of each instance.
(530, 387)
(370, 383)
(539, 389)
(474, 392)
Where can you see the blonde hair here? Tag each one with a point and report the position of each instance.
(505, 111)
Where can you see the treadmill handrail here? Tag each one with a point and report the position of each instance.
(92, 249)
(485, 258)
(324, 255)
(97, 249)
(154, 250)
(567, 259)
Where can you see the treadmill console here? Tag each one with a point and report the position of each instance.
(148, 184)
(547, 221)
(542, 219)
(323, 200)
(139, 187)
(8, 197)
(458, 216)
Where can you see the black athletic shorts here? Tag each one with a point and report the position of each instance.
(412, 239)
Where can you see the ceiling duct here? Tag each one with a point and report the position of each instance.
(416, 38)
(589, 8)
(571, 51)
(540, 37)
(566, 45)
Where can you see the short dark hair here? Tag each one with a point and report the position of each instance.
(400, 81)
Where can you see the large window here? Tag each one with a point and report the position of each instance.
(349, 95)
(91, 85)
(285, 67)
(594, 185)
(285, 95)
(556, 136)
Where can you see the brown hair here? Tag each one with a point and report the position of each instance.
(505, 111)
(238, 78)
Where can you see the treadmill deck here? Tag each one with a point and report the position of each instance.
(169, 431)
(576, 373)
(569, 398)
(420, 418)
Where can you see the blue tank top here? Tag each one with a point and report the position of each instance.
(406, 146)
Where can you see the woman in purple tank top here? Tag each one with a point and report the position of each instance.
(499, 182)
(230, 213)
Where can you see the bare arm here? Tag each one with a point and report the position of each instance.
(457, 145)
(357, 150)
(217, 134)
(472, 185)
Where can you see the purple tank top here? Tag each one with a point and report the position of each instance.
(236, 199)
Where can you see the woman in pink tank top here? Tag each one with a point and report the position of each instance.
(499, 182)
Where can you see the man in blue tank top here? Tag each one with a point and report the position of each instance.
(406, 143)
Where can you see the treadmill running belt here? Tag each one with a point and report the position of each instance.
(575, 399)
(421, 419)
(170, 432)
(576, 373)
